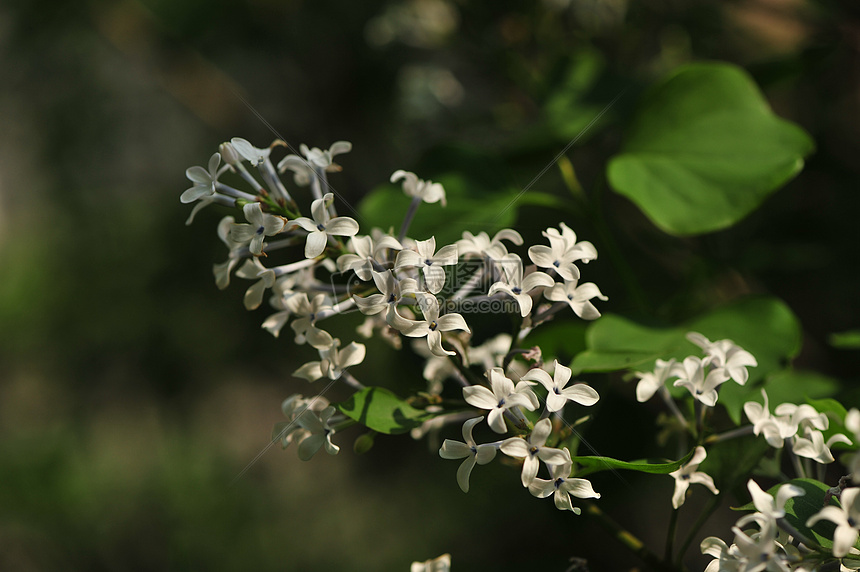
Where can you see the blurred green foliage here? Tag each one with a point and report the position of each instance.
(133, 392)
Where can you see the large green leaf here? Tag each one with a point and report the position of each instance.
(765, 327)
(590, 465)
(378, 409)
(704, 150)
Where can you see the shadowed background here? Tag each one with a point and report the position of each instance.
(132, 391)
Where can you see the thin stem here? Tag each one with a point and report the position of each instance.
(628, 540)
(230, 191)
(407, 220)
(670, 535)
(732, 434)
(795, 461)
(350, 380)
(673, 407)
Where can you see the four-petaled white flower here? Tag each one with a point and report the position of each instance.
(557, 394)
(261, 225)
(322, 225)
(687, 474)
(502, 397)
(427, 191)
(309, 312)
(253, 270)
(323, 157)
(333, 361)
(319, 432)
(577, 296)
(433, 325)
(651, 381)
(204, 181)
(222, 270)
(480, 244)
(250, 153)
(562, 486)
(366, 250)
(468, 450)
(517, 286)
(814, 447)
(532, 451)
(846, 518)
(727, 355)
(691, 374)
(391, 293)
(562, 252)
(429, 261)
(765, 504)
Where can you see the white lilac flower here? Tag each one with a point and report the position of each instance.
(333, 361)
(290, 431)
(427, 191)
(265, 278)
(803, 416)
(765, 504)
(504, 396)
(222, 271)
(319, 433)
(261, 225)
(481, 244)
(814, 447)
(557, 394)
(517, 286)
(562, 486)
(433, 325)
(727, 355)
(491, 353)
(392, 291)
(429, 261)
(687, 474)
(578, 297)
(285, 288)
(249, 152)
(322, 225)
(691, 374)
(852, 423)
(562, 253)
(366, 250)
(204, 181)
(309, 312)
(846, 518)
(775, 431)
(439, 564)
(532, 451)
(323, 158)
(468, 450)
(651, 381)
(749, 553)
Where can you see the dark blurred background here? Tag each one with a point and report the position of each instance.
(132, 391)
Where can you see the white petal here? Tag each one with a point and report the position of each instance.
(315, 244)
(342, 226)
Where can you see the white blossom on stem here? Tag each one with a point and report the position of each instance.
(265, 278)
(532, 451)
(504, 395)
(651, 381)
(813, 446)
(516, 285)
(846, 518)
(439, 564)
(249, 152)
(305, 325)
(433, 325)
(727, 355)
(222, 271)
(691, 374)
(481, 245)
(562, 486)
(557, 393)
(688, 474)
(319, 433)
(473, 453)
(427, 191)
(261, 225)
(429, 261)
(333, 361)
(577, 296)
(392, 292)
(204, 181)
(562, 253)
(321, 226)
(366, 251)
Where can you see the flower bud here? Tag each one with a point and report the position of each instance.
(228, 153)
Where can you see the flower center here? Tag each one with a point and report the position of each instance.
(517, 290)
(320, 227)
(558, 482)
(501, 403)
(261, 230)
(433, 325)
(427, 262)
(556, 263)
(533, 451)
(392, 299)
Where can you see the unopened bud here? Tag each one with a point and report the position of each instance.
(228, 153)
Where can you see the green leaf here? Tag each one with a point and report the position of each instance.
(705, 150)
(469, 207)
(849, 340)
(378, 409)
(591, 465)
(799, 509)
(765, 327)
